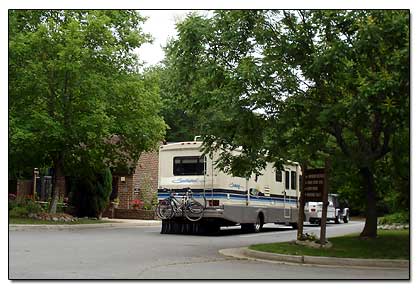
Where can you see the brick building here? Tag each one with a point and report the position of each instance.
(141, 184)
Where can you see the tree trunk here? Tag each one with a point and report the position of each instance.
(370, 228)
(57, 177)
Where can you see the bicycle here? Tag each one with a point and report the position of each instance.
(187, 206)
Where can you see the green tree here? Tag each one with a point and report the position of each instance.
(183, 124)
(76, 97)
(304, 85)
(91, 192)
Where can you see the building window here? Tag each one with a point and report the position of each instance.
(293, 180)
(278, 175)
(188, 165)
(287, 180)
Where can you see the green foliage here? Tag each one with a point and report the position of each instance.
(18, 211)
(395, 218)
(23, 206)
(91, 192)
(182, 124)
(147, 196)
(75, 93)
(150, 204)
(303, 85)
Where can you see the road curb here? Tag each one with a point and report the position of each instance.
(85, 226)
(312, 260)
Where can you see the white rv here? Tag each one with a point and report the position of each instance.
(226, 200)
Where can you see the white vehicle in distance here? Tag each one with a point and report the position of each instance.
(335, 211)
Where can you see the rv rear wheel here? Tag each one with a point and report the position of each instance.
(253, 228)
(259, 223)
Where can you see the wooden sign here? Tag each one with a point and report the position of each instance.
(314, 182)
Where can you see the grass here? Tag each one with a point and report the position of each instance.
(388, 245)
(29, 221)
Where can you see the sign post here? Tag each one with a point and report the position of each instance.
(325, 205)
(315, 189)
(301, 207)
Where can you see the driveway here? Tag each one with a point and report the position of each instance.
(141, 252)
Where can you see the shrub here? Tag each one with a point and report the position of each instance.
(395, 218)
(19, 211)
(33, 207)
(151, 204)
(23, 206)
(91, 192)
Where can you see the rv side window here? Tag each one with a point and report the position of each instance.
(293, 180)
(278, 175)
(287, 180)
(188, 165)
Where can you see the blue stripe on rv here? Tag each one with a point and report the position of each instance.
(232, 196)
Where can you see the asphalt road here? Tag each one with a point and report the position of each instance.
(143, 253)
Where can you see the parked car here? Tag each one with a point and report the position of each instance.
(337, 211)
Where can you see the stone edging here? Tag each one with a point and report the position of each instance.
(329, 261)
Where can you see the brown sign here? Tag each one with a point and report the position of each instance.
(313, 187)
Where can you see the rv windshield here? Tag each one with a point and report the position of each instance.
(188, 165)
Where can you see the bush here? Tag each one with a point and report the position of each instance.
(19, 211)
(23, 206)
(33, 207)
(91, 192)
(395, 218)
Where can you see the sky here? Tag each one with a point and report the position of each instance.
(161, 25)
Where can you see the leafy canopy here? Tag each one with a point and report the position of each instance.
(300, 84)
(75, 92)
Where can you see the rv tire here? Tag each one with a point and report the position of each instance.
(259, 223)
(253, 228)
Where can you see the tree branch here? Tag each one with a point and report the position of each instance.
(337, 133)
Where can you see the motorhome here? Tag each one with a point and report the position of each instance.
(185, 172)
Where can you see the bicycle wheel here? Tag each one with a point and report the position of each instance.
(194, 211)
(165, 210)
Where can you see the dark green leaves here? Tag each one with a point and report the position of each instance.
(75, 91)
